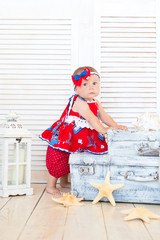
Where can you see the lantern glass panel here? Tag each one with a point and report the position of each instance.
(22, 163)
(11, 152)
(12, 175)
(22, 174)
(17, 162)
(16, 174)
(22, 152)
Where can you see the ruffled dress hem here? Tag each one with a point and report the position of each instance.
(78, 151)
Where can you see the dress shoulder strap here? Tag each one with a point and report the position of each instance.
(71, 101)
(82, 98)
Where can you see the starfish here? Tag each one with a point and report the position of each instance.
(68, 200)
(140, 213)
(106, 189)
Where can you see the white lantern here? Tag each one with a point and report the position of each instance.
(15, 158)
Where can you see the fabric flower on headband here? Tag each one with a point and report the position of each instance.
(77, 79)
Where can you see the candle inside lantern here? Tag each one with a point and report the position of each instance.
(21, 167)
(12, 164)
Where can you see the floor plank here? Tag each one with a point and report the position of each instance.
(154, 226)
(15, 213)
(3, 201)
(117, 228)
(47, 221)
(85, 222)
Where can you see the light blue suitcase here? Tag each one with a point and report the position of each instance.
(129, 162)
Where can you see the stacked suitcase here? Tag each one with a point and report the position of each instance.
(133, 159)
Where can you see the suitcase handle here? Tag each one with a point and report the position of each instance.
(129, 175)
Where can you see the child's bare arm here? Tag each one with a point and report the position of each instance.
(108, 120)
(83, 109)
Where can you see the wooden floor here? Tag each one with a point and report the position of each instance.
(37, 217)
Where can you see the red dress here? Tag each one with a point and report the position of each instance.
(72, 133)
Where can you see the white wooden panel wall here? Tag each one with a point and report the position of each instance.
(35, 70)
(127, 58)
(128, 66)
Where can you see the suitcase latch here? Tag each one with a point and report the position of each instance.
(86, 170)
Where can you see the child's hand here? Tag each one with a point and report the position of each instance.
(122, 127)
(108, 128)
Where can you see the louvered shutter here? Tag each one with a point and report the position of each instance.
(127, 59)
(35, 69)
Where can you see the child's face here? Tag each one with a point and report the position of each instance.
(89, 89)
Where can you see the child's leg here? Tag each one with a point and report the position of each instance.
(57, 165)
(51, 186)
(64, 182)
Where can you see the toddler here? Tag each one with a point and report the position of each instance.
(79, 128)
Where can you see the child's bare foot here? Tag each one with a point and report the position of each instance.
(65, 185)
(64, 182)
(54, 191)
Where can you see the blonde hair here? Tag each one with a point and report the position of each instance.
(80, 69)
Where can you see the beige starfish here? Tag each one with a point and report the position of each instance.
(140, 213)
(106, 189)
(68, 200)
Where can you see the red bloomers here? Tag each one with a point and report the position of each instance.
(57, 162)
